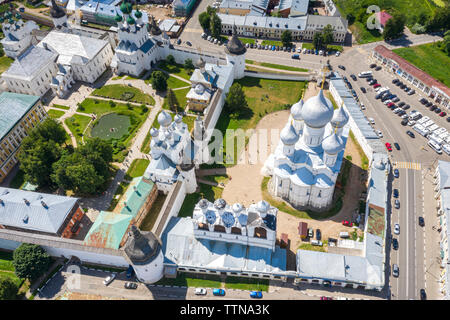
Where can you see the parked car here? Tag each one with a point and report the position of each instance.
(411, 92)
(410, 133)
(421, 222)
(397, 204)
(341, 67)
(376, 85)
(218, 292)
(346, 223)
(378, 68)
(256, 294)
(326, 298)
(373, 65)
(318, 234)
(179, 41)
(395, 193)
(130, 272)
(448, 119)
(371, 120)
(404, 122)
(437, 110)
(423, 294)
(363, 90)
(397, 146)
(397, 228)
(353, 77)
(316, 243)
(443, 114)
(379, 133)
(406, 107)
(200, 291)
(396, 173)
(395, 81)
(130, 285)
(189, 43)
(310, 233)
(395, 244)
(109, 279)
(395, 270)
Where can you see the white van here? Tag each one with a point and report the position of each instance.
(446, 148)
(316, 243)
(371, 121)
(365, 74)
(435, 146)
(344, 235)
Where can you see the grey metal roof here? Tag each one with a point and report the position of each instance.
(33, 210)
(29, 63)
(142, 248)
(319, 22)
(235, 46)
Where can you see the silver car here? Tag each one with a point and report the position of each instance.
(109, 279)
(397, 204)
(395, 270)
(397, 228)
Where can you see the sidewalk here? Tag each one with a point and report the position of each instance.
(38, 282)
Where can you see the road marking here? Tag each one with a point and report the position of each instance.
(407, 165)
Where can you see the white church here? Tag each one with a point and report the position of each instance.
(56, 62)
(307, 160)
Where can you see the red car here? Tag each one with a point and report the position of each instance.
(346, 223)
(388, 146)
(443, 114)
(390, 104)
(376, 85)
(326, 298)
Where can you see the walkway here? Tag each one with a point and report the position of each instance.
(302, 73)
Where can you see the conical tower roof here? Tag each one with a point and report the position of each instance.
(235, 46)
(142, 248)
(154, 29)
(56, 11)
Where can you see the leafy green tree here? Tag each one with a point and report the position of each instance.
(204, 19)
(317, 40)
(159, 81)
(8, 289)
(276, 13)
(440, 19)
(188, 64)
(235, 101)
(327, 35)
(446, 43)
(286, 38)
(350, 18)
(215, 26)
(172, 100)
(30, 261)
(170, 59)
(100, 146)
(50, 129)
(394, 27)
(210, 11)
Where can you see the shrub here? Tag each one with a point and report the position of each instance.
(127, 95)
(8, 289)
(30, 261)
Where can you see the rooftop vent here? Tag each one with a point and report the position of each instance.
(26, 201)
(2, 203)
(254, 22)
(25, 219)
(44, 204)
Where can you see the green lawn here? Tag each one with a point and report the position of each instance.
(5, 62)
(55, 114)
(249, 284)
(208, 192)
(263, 96)
(77, 124)
(308, 246)
(125, 93)
(60, 106)
(364, 35)
(137, 168)
(181, 98)
(280, 66)
(174, 83)
(272, 43)
(176, 69)
(6, 258)
(247, 40)
(429, 58)
(219, 178)
(136, 113)
(192, 280)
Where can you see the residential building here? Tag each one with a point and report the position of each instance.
(17, 34)
(418, 79)
(19, 114)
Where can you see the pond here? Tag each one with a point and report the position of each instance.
(111, 126)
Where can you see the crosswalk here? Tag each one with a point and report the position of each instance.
(407, 165)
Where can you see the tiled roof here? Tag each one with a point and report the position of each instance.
(383, 17)
(13, 106)
(411, 69)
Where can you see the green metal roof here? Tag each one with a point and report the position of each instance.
(13, 106)
(108, 230)
(135, 196)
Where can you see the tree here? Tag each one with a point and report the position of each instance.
(188, 64)
(286, 38)
(440, 19)
(394, 27)
(215, 26)
(327, 35)
(30, 261)
(318, 40)
(8, 289)
(210, 11)
(446, 43)
(204, 19)
(351, 19)
(50, 129)
(235, 100)
(159, 81)
(172, 101)
(170, 59)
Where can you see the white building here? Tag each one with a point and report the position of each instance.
(60, 59)
(307, 160)
(135, 52)
(253, 226)
(172, 154)
(17, 35)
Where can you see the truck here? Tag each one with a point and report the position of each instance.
(303, 230)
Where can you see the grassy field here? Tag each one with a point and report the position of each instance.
(7, 268)
(364, 159)
(429, 58)
(174, 83)
(276, 66)
(60, 106)
(77, 123)
(207, 191)
(5, 62)
(308, 246)
(364, 35)
(263, 96)
(272, 43)
(125, 93)
(191, 280)
(247, 284)
(137, 168)
(219, 178)
(176, 69)
(181, 98)
(55, 114)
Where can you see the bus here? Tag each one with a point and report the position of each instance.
(365, 74)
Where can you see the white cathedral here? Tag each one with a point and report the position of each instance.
(307, 160)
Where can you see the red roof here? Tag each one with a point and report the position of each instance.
(383, 17)
(412, 70)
